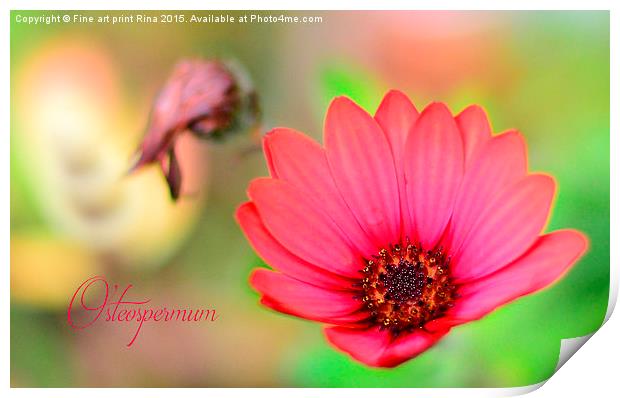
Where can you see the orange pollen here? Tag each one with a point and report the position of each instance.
(405, 287)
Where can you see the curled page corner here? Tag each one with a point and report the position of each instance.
(516, 391)
(568, 348)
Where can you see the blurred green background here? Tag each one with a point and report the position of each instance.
(80, 96)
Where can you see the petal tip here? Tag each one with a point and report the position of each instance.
(581, 240)
(255, 279)
(394, 94)
(343, 105)
(437, 106)
(473, 109)
(258, 185)
(514, 141)
(274, 134)
(341, 101)
(270, 133)
(398, 100)
(281, 131)
(242, 210)
(477, 115)
(545, 182)
(437, 111)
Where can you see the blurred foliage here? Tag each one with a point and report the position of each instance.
(351, 81)
(38, 345)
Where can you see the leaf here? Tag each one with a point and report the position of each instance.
(345, 79)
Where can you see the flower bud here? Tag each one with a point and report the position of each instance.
(204, 97)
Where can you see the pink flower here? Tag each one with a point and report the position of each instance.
(404, 226)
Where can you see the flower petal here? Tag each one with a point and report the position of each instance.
(363, 167)
(278, 257)
(295, 158)
(302, 227)
(396, 115)
(507, 227)
(173, 174)
(294, 297)
(433, 170)
(545, 262)
(354, 319)
(475, 130)
(500, 163)
(376, 347)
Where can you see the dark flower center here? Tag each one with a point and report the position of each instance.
(405, 287)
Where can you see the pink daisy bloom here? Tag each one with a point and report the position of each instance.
(403, 226)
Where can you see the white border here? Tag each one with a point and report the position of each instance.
(595, 369)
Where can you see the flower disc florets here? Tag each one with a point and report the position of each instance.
(405, 287)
